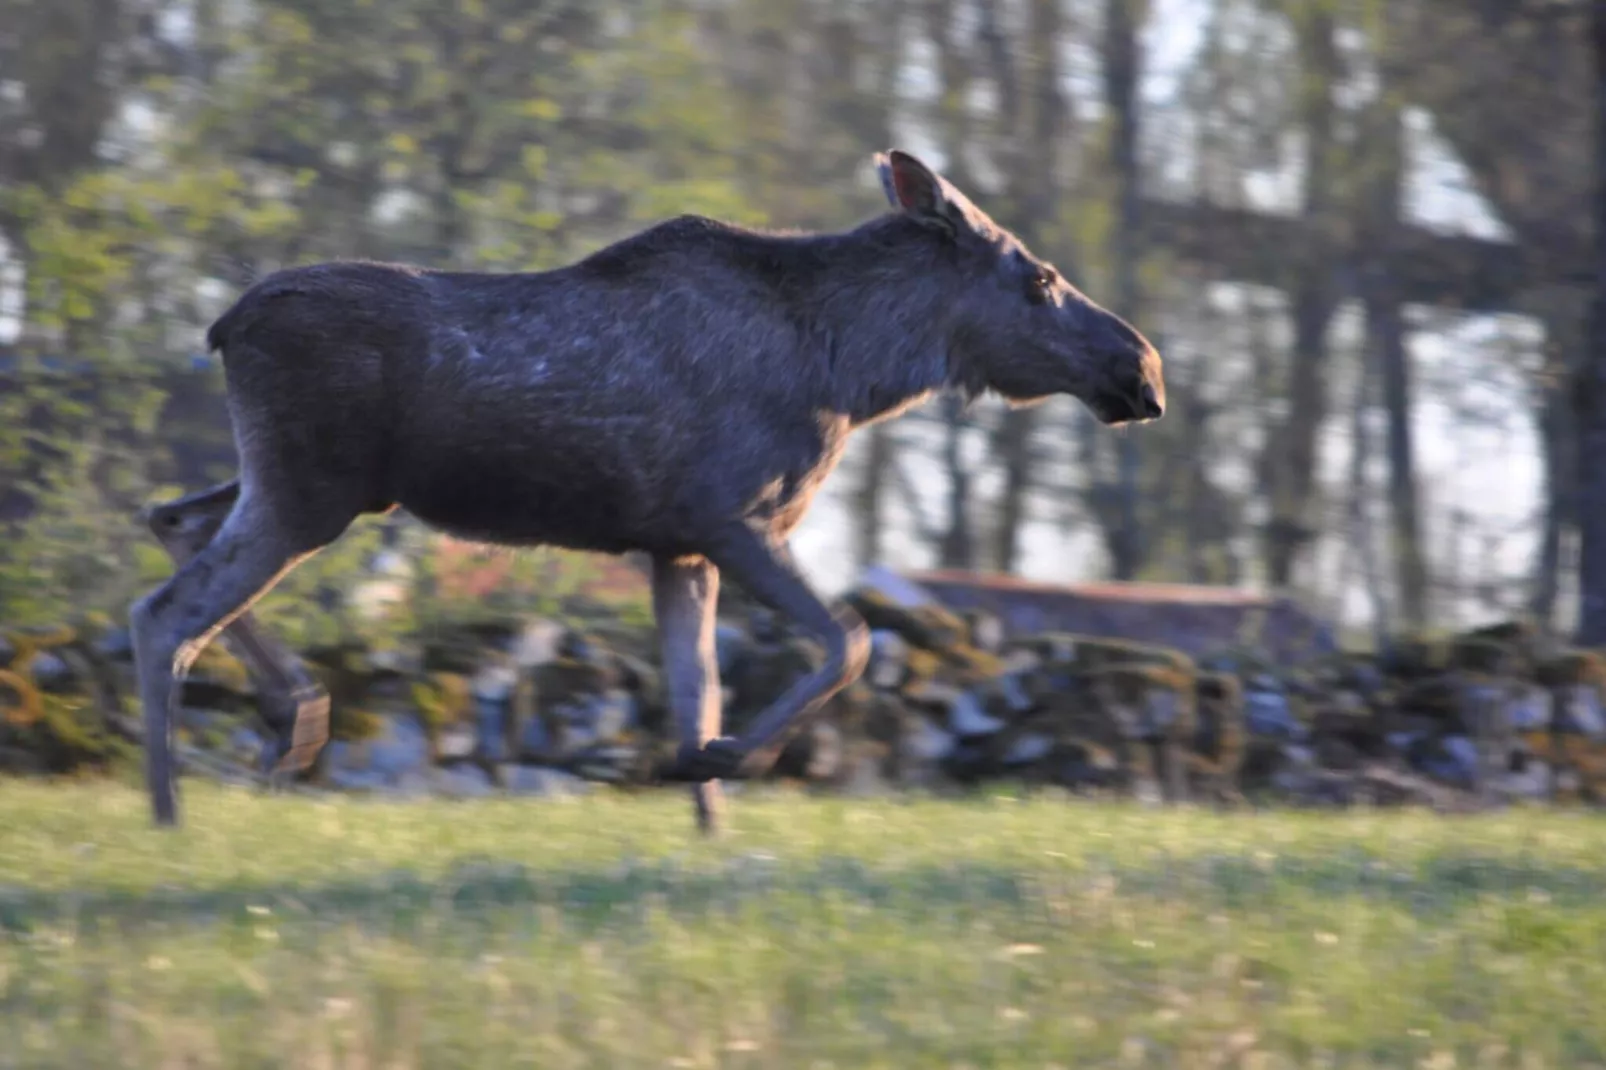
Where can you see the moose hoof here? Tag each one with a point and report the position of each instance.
(719, 759)
(297, 744)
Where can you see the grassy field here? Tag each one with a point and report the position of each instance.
(600, 932)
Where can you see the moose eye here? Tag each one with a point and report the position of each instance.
(1042, 284)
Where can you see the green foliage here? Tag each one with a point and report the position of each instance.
(493, 133)
(81, 549)
(69, 737)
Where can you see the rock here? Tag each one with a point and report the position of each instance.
(1526, 777)
(244, 745)
(494, 680)
(1267, 714)
(569, 678)
(400, 660)
(398, 747)
(455, 743)
(455, 652)
(1530, 708)
(1571, 668)
(1294, 760)
(920, 750)
(579, 704)
(1079, 764)
(827, 753)
(986, 630)
(1452, 760)
(763, 674)
(1145, 700)
(492, 733)
(1337, 752)
(1220, 734)
(1489, 654)
(1414, 658)
(347, 778)
(1392, 787)
(891, 604)
(945, 695)
(114, 644)
(864, 772)
(535, 741)
(51, 673)
(889, 659)
(1006, 697)
(1579, 711)
(541, 781)
(536, 643)
(493, 687)
(1464, 754)
(1401, 742)
(462, 781)
(609, 762)
(968, 718)
(896, 589)
(1027, 748)
(1089, 652)
(584, 648)
(608, 716)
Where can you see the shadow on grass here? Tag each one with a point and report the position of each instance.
(591, 898)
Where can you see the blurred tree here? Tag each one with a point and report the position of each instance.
(1292, 459)
(158, 155)
(1125, 532)
(1592, 378)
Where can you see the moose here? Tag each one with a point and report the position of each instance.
(681, 394)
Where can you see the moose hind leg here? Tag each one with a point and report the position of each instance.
(292, 705)
(171, 625)
(685, 595)
(767, 573)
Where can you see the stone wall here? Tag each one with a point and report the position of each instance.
(950, 699)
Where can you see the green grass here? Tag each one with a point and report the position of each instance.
(600, 932)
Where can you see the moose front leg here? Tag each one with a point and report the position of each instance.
(293, 705)
(766, 571)
(685, 596)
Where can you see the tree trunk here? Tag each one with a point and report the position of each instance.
(1198, 532)
(1558, 442)
(868, 495)
(1033, 137)
(868, 117)
(1386, 334)
(1121, 71)
(958, 548)
(1361, 542)
(1591, 394)
(1381, 182)
(1012, 446)
(1294, 459)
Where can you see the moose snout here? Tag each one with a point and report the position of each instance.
(1134, 393)
(1149, 402)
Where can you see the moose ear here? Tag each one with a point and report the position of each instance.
(913, 187)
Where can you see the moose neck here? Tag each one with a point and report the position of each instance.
(880, 298)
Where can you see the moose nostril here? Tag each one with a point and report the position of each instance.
(1152, 409)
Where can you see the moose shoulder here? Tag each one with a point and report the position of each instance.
(682, 392)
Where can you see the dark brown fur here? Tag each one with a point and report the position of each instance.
(683, 392)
